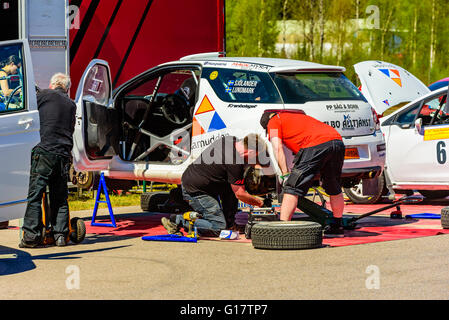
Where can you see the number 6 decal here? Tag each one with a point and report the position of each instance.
(441, 152)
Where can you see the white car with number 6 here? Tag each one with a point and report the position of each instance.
(415, 123)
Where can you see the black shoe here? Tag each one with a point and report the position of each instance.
(26, 244)
(334, 231)
(60, 241)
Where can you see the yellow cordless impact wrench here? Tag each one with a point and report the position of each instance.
(191, 217)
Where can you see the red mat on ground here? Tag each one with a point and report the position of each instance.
(371, 234)
(372, 229)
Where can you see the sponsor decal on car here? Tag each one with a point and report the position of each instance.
(436, 134)
(203, 143)
(349, 124)
(342, 107)
(243, 106)
(206, 119)
(393, 74)
(216, 64)
(250, 66)
(214, 75)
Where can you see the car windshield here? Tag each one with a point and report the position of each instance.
(305, 87)
(243, 86)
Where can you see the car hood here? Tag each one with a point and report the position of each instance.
(386, 85)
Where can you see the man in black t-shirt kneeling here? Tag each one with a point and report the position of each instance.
(218, 176)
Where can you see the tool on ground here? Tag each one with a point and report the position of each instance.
(192, 235)
(191, 217)
(423, 216)
(169, 237)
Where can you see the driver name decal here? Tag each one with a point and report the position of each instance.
(241, 86)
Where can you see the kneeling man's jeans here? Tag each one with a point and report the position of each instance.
(214, 219)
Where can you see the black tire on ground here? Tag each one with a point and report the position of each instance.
(434, 194)
(445, 218)
(78, 230)
(287, 235)
(355, 194)
(149, 201)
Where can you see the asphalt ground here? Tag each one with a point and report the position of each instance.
(125, 268)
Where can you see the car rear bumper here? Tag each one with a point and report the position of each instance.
(371, 161)
(362, 173)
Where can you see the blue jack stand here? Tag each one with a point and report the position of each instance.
(170, 237)
(102, 186)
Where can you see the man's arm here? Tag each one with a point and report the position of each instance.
(279, 154)
(244, 196)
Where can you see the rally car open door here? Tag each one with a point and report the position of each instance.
(93, 148)
(19, 128)
(387, 87)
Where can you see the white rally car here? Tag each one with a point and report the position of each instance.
(415, 123)
(146, 130)
(153, 126)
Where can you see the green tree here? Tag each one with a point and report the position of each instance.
(251, 27)
(411, 34)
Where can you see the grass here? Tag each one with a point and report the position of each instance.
(86, 201)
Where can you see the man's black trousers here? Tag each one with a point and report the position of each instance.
(47, 169)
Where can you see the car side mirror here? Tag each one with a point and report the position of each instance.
(418, 125)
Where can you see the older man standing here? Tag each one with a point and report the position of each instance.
(50, 162)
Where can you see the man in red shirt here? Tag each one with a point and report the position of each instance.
(319, 150)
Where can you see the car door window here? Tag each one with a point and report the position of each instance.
(409, 116)
(11, 79)
(436, 110)
(97, 85)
